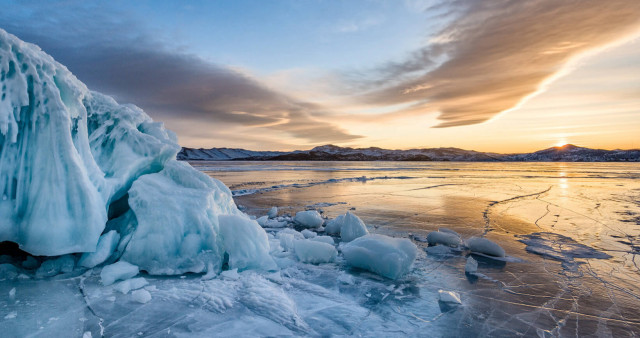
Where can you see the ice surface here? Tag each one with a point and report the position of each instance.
(246, 243)
(130, 284)
(444, 238)
(384, 255)
(485, 246)
(309, 219)
(120, 270)
(314, 252)
(106, 246)
(141, 296)
(352, 228)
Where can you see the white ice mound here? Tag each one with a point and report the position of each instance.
(314, 252)
(176, 221)
(246, 243)
(384, 255)
(65, 153)
(444, 238)
(75, 165)
(309, 219)
(485, 246)
(352, 228)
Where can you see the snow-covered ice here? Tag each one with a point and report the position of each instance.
(384, 255)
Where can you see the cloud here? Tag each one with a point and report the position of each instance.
(494, 54)
(115, 55)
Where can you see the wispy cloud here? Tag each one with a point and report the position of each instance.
(101, 50)
(494, 54)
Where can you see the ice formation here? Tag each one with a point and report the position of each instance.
(485, 246)
(120, 270)
(471, 266)
(246, 243)
(314, 252)
(309, 219)
(130, 284)
(449, 297)
(141, 296)
(384, 255)
(444, 238)
(352, 228)
(106, 246)
(273, 212)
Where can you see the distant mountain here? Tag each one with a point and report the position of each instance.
(566, 153)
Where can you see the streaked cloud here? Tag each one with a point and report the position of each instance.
(494, 54)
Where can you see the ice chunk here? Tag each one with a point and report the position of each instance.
(443, 237)
(308, 233)
(333, 226)
(8, 271)
(346, 278)
(176, 211)
(30, 263)
(118, 271)
(262, 221)
(324, 239)
(52, 267)
(230, 274)
(471, 266)
(130, 284)
(12, 293)
(314, 252)
(485, 246)
(106, 245)
(141, 296)
(287, 241)
(246, 243)
(384, 255)
(449, 297)
(309, 219)
(295, 234)
(352, 228)
(273, 212)
(272, 223)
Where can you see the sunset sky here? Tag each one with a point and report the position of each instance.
(499, 75)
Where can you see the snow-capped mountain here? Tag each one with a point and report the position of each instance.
(566, 153)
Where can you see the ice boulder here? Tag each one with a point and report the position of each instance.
(333, 226)
(309, 219)
(485, 246)
(246, 243)
(106, 246)
(387, 256)
(141, 296)
(449, 297)
(308, 233)
(444, 238)
(273, 212)
(130, 284)
(352, 228)
(262, 221)
(120, 270)
(176, 221)
(471, 266)
(314, 252)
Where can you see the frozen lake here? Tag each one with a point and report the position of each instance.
(574, 229)
(571, 233)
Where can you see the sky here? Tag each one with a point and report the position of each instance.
(496, 75)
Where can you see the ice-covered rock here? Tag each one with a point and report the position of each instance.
(449, 297)
(384, 255)
(273, 212)
(141, 296)
(471, 266)
(246, 243)
(444, 238)
(120, 270)
(309, 219)
(106, 246)
(485, 246)
(314, 252)
(130, 284)
(52, 267)
(352, 228)
(308, 233)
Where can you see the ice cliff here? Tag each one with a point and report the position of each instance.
(75, 164)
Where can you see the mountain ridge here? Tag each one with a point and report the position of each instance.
(329, 152)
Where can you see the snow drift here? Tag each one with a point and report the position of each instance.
(75, 164)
